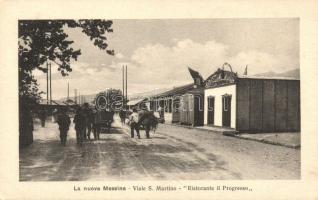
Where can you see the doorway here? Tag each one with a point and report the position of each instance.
(211, 101)
(226, 110)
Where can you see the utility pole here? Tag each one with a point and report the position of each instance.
(50, 84)
(123, 69)
(68, 91)
(75, 96)
(126, 85)
(47, 83)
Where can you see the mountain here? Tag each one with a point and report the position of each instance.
(86, 98)
(148, 93)
(90, 97)
(295, 73)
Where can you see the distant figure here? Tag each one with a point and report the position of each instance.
(42, 116)
(134, 125)
(63, 120)
(94, 124)
(122, 115)
(55, 114)
(87, 130)
(161, 115)
(90, 123)
(80, 125)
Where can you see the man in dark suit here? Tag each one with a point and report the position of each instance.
(63, 120)
(80, 125)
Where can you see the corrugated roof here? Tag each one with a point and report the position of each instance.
(177, 90)
(266, 77)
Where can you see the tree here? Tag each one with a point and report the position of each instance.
(45, 40)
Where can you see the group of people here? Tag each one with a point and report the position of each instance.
(84, 124)
(84, 121)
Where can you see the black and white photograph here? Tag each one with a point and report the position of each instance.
(159, 99)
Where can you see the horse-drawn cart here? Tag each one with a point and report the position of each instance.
(105, 107)
(103, 121)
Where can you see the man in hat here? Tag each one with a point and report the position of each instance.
(122, 115)
(86, 113)
(63, 120)
(134, 125)
(80, 125)
(42, 116)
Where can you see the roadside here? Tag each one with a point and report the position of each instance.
(252, 159)
(291, 139)
(286, 139)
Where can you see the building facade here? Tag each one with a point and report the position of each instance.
(252, 104)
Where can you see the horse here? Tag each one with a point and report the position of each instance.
(148, 121)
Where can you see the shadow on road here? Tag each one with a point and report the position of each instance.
(110, 158)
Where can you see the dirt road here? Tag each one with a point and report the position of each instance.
(173, 153)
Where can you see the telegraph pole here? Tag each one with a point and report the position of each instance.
(123, 69)
(126, 84)
(75, 96)
(47, 83)
(68, 91)
(50, 84)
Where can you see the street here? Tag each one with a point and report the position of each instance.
(172, 153)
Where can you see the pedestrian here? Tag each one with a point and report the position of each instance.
(90, 123)
(95, 124)
(42, 116)
(122, 115)
(80, 125)
(63, 120)
(161, 112)
(87, 130)
(55, 114)
(134, 125)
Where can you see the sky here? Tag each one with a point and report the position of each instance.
(158, 52)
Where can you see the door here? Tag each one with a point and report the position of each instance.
(211, 110)
(226, 110)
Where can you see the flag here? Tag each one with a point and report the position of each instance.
(196, 76)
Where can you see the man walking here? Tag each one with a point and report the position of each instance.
(122, 115)
(80, 125)
(63, 120)
(42, 116)
(88, 121)
(134, 125)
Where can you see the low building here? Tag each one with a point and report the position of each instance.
(170, 102)
(252, 104)
(192, 107)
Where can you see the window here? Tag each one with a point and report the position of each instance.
(226, 101)
(210, 103)
(225, 104)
